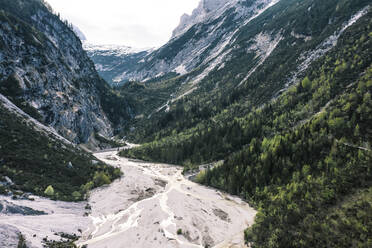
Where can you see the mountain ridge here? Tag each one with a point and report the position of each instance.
(47, 72)
(179, 56)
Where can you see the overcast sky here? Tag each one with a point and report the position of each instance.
(136, 23)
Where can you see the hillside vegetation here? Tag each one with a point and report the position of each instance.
(44, 165)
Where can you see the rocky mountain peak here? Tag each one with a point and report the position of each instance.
(202, 12)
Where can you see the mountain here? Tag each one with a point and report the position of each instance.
(246, 70)
(196, 43)
(236, 43)
(206, 9)
(51, 99)
(111, 59)
(45, 71)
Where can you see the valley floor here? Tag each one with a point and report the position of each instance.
(152, 205)
(21, 216)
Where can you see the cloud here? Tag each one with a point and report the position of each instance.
(139, 23)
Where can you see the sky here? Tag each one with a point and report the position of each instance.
(135, 23)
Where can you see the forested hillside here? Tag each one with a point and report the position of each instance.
(207, 127)
(250, 76)
(304, 158)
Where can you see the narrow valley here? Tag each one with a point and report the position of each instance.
(253, 120)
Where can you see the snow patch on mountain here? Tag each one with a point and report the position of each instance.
(114, 62)
(101, 68)
(181, 70)
(112, 50)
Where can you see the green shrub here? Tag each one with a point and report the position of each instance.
(200, 178)
(101, 178)
(76, 195)
(49, 191)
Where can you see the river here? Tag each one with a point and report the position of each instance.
(152, 205)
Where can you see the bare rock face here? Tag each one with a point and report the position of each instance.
(44, 68)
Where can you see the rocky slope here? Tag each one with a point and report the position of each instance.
(44, 69)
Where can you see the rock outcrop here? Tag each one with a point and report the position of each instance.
(44, 69)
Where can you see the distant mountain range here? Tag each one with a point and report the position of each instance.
(110, 60)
